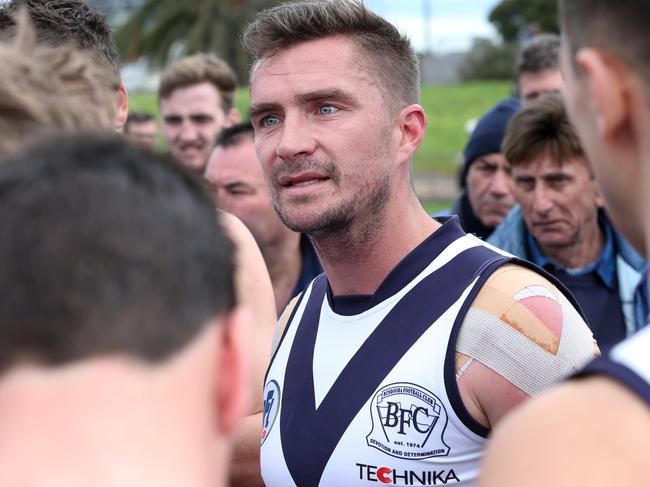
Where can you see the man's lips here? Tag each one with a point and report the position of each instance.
(498, 208)
(301, 180)
(547, 224)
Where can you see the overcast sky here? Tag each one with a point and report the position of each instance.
(454, 23)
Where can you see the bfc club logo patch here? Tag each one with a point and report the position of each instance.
(408, 421)
(271, 407)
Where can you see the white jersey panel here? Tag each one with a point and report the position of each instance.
(394, 458)
(634, 353)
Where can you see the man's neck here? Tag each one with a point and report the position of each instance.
(582, 253)
(359, 259)
(284, 262)
(80, 429)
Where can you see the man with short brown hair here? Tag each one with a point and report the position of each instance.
(394, 364)
(196, 97)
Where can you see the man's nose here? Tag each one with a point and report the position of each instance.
(542, 200)
(501, 184)
(296, 138)
(188, 131)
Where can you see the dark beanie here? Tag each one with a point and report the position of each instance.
(489, 132)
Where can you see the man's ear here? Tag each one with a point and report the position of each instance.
(606, 80)
(233, 117)
(412, 123)
(121, 107)
(232, 370)
(600, 200)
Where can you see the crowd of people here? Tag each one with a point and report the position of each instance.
(268, 303)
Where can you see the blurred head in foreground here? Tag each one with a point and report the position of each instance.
(120, 357)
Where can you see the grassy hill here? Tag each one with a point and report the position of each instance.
(448, 109)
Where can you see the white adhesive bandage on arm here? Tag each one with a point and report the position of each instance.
(514, 356)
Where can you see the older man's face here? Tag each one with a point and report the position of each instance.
(489, 189)
(559, 202)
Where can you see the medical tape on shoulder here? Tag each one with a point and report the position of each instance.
(518, 359)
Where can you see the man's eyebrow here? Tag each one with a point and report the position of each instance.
(333, 94)
(234, 184)
(487, 161)
(557, 175)
(255, 110)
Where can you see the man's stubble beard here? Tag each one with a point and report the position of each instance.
(347, 226)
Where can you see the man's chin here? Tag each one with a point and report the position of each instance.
(314, 222)
(493, 221)
(551, 240)
(194, 163)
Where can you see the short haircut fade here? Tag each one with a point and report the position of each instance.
(384, 50)
(197, 69)
(107, 249)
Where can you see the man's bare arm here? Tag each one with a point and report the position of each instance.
(520, 337)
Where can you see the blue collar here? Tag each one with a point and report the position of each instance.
(604, 266)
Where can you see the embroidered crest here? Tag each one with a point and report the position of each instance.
(408, 421)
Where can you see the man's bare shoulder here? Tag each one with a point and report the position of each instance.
(589, 432)
(519, 337)
(255, 293)
(530, 304)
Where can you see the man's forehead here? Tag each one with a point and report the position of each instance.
(315, 63)
(492, 158)
(239, 158)
(204, 92)
(547, 165)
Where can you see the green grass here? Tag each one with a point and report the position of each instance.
(144, 101)
(433, 207)
(448, 109)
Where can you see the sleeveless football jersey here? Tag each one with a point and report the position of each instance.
(628, 363)
(372, 398)
(366, 399)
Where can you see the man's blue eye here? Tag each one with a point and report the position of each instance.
(270, 121)
(328, 110)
